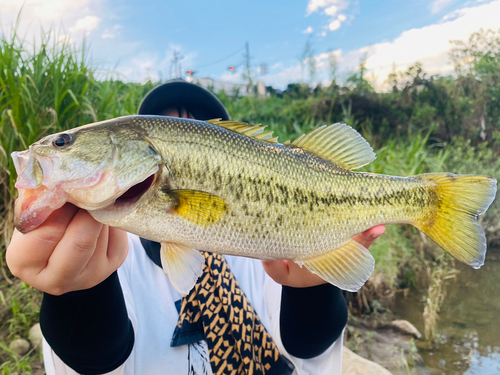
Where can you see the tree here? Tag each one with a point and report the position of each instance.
(477, 63)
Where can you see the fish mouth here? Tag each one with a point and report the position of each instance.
(132, 195)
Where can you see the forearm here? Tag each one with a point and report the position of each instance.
(311, 319)
(89, 329)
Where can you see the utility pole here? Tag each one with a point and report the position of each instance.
(248, 73)
(176, 65)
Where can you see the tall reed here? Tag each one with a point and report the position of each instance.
(48, 87)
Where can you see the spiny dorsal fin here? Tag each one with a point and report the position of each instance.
(251, 131)
(338, 143)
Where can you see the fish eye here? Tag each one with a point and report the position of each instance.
(62, 140)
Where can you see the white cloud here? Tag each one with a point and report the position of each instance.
(331, 5)
(279, 76)
(334, 25)
(438, 5)
(428, 45)
(111, 33)
(81, 16)
(86, 24)
(284, 76)
(42, 10)
(154, 66)
(231, 77)
(330, 8)
(314, 5)
(140, 68)
(309, 30)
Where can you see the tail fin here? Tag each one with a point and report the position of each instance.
(452, 223)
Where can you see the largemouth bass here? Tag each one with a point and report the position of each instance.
(231, 188)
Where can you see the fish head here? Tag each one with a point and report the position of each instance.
(90, 166)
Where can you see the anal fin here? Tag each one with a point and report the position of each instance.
(347, 267)
(182, 264)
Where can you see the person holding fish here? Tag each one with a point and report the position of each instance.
(88, 317)
(226, 188)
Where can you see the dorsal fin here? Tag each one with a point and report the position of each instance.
(338, 143)
(248, 130)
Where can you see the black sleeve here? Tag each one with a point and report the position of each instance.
(311, 319)
(89, 329)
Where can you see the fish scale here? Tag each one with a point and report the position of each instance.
(271, 190)
(228, 187)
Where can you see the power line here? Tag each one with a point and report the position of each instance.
(221, 60)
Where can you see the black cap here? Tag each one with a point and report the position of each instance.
(202, 104)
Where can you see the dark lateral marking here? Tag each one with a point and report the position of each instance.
(217, 178)
(277, 193)
(416, 196)
(269, 198)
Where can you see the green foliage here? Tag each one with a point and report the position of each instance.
(43, 89)
(392, 252)
(19, 311)
(478, 63)
(424, 124)
(481, 159)
(47, 89)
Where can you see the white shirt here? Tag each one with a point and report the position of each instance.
(150, 300)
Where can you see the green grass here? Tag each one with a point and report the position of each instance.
(19, 311)
(43, 89)
(48, 88)
(51, 86)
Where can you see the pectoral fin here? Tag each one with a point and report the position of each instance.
(347, 267)
(198, 207)
(182, 264)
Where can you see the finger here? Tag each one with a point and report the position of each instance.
(98, 262)
(77, 245)
(278, 270)
(34, 248)
(118, 247)
(368, 237)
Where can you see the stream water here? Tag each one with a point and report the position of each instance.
(468, 340)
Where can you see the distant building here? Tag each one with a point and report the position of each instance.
(232, 89)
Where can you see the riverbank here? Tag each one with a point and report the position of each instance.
(466, 340)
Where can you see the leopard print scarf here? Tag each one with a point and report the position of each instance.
(218, 311)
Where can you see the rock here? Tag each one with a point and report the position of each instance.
(406, 327)
(35, 336)
(353, 364)
(20, 346)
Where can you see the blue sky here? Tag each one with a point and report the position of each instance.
(138, 41)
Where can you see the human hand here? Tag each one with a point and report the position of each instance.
(70, 251)
(289, 273)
